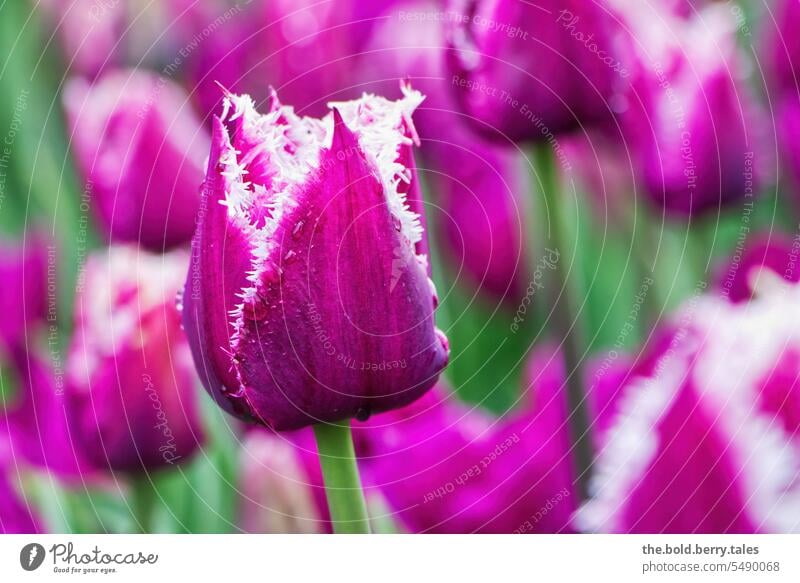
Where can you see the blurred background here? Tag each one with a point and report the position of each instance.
(667, 133)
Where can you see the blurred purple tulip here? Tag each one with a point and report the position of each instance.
(281, 483)
(693, 125)
(16, 515)
(89, 32)
(131, 384)
(309, 51)
(529, 72)
(782, 48)
(308, 299)
(36, 420)
(706, 437)
(771, 254)
(23, 297)
(141, 151)
(476, 185)
(443, 466)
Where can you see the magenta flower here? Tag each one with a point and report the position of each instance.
(770, 254)
(528, 71)
(16, 514)
(444, 466)
(131, 381)
(23, 297)
(693, 124)
(281, 483)
(706, 435)
(141, 151)
(308, 299)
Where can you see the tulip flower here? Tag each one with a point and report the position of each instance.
(23, 297)
(770, 254)
(697, 136)
(309, 51)
(141, 151)
(280, 482)
(477, 185)
(308, 300)
(705, 440)
(16, 514)
(130, 384)
(446, 467)
(529, 72)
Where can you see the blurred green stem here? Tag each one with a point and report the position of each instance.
(143, 501)
(342, 482)
(566, 323)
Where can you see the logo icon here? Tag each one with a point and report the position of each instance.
(31, 556)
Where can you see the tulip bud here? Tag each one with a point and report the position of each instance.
(704, 442)
(308, 298)
(131, 393)
(528, 72)
(765, 255)
(141, 151)
(698, 134)
(16, 514)
(279, 486)
(23, 297)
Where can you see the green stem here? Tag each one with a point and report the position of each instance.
(342, 482)
(565, 319)
(143, 501)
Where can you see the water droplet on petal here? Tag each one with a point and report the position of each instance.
(363, 413)
(290, 255)
(298, 230)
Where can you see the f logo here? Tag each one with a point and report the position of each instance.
(31, 556)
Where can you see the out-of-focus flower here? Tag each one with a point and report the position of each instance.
(770, 254)
(706, 437)
(308, 51)
(141, 151)
(528, 72)
(782, 48)
(23, 297)
(35, 419)
(693, 123)
(89, 31)
(281, 483)
(131, 381)
(443, 466)
(308, 299)
(477, 186)
(16, 514)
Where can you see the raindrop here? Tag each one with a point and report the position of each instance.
(363, 413)
(298, 230)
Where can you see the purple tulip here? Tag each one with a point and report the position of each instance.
(16, 514)
(782, 48)
(706, 437)
(36, 419)
(282, 486)
(131, 383)
(694, 127)
(528, 72)
(308, 299)
(23, 297)
(771, 254)
(443, 466)
(141, 151)
(476, 185)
